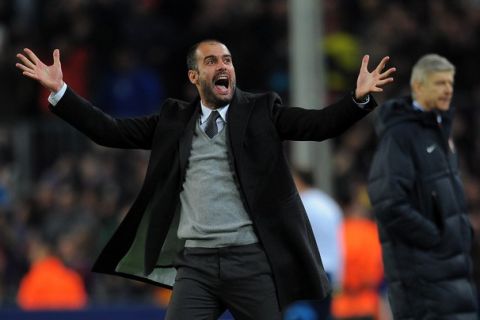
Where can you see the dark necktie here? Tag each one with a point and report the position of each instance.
(211, 129)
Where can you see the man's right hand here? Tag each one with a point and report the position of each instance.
(50, 77)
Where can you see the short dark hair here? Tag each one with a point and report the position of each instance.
(191, 53)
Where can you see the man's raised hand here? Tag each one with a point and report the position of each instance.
(50, 77)
(368, 82)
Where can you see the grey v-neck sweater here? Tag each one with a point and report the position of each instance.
(212, 214)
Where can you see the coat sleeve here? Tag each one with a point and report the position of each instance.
(391, 187)
(130, 133)
(317, 124)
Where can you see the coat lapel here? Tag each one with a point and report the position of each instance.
(238, 117)
(159, 224)
(185, 141)
(239, 114)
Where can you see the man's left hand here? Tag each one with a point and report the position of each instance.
(368, 82)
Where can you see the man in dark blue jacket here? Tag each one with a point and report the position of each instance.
(418, 199)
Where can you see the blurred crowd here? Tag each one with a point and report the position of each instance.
(127, 56)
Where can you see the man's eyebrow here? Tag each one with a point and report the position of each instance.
(209, 57)
(214, 57)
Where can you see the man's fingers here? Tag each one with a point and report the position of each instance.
(30, 75)
(31, 55)
(56, 57)
(364, 66)
(388, 72)
(24, 68)
(25, 61)
(384, 81)
(382, 64)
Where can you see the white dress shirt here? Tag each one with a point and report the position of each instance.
(220, 120)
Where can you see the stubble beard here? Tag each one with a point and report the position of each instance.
(211, 98)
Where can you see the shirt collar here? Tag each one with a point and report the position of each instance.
(206, 112)
(417, 106)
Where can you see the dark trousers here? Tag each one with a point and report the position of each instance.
(209, 281)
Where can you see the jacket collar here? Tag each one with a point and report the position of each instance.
(238, 116)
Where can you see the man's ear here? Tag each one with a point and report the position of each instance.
(416, 87)
(193, 76)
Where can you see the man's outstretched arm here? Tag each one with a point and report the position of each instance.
(80, 113)
(331, 121)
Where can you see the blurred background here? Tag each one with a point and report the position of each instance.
(61, 196)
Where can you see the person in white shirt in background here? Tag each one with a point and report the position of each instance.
(325, 217)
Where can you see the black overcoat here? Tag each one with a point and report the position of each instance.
(419, 203)
(145, 243)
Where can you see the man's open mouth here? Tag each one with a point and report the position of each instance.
(222, 84)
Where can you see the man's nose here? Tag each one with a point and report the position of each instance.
(222, 65)
(447, 87)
